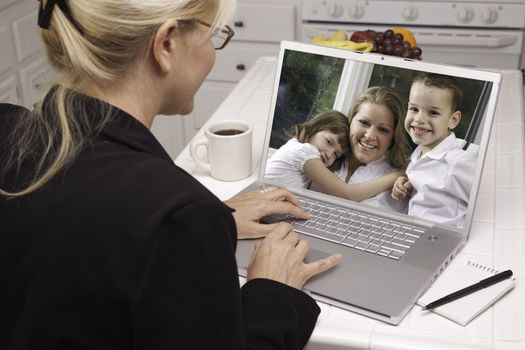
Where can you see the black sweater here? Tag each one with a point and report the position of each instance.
(125, 250)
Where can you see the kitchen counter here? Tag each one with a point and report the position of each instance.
(497, 237)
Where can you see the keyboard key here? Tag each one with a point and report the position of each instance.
(342, 233)
(414, 234)
(332, 223)
(300, 222)
(350, 242)
(394, 248)
(384, 252)
(373, 248)
(395, 255)
(361, 246)
(321, 227)
(311, 224)
(342, 226)
(365, 239)
(386, 239)
(400, 243)
(388, 234)
(364, 233)
(331, 230)
(401, 236)
(376, 235)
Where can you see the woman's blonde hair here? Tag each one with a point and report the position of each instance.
(397, 155)
(332, 121)
(95, 44)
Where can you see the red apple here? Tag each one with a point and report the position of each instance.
(362, 37)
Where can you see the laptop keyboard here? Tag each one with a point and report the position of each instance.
(353, 229)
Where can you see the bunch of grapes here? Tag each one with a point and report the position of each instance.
(390, 43)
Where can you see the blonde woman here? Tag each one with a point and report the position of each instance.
(105, 243)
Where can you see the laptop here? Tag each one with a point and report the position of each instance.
(379, 281)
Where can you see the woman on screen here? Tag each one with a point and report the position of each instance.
(378, 152)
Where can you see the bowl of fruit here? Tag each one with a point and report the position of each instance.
(395, 42)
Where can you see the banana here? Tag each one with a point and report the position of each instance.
(318, 38)
(348, 45)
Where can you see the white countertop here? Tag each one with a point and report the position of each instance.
(497, 238)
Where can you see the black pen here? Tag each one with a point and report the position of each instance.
(470, 289)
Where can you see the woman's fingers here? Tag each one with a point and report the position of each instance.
(319, 266)
(292, 237)
(280, 256)
(280, 231)
(281, 194)
(278, 207)
(284, 202)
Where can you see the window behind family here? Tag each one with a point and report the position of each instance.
(386, 136)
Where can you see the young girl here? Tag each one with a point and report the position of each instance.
(324, 137)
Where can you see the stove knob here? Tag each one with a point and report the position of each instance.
(465, 15)
(410, 13)
(334, 9)
(356, 11)
(489, 15)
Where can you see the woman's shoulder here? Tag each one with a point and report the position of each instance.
(7, 109)
(122, 174)
(9, 113)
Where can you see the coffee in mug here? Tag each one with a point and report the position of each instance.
(228, 144)
(228, 132)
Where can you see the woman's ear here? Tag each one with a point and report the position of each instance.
(163, 45)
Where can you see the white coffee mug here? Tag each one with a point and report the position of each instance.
(229, 147)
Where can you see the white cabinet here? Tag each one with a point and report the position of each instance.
(8, 90)
(36, 79)
(259, 28)
(24, 69)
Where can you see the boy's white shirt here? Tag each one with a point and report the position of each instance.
(441, 181)
(286, 164)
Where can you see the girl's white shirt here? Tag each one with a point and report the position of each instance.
(370, 172)
(286, 166)
(441, 181)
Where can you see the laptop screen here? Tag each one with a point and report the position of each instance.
(402, 136)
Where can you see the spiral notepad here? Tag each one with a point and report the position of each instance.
(458, 276)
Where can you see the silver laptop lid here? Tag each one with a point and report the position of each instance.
(311, 78)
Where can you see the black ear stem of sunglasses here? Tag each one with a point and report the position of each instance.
(45, 13)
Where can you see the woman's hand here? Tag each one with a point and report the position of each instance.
(402, 188)
(280, 257)
(250, 207)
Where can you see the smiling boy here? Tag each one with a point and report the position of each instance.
(440, 172)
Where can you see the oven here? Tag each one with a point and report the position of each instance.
(475, 33)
